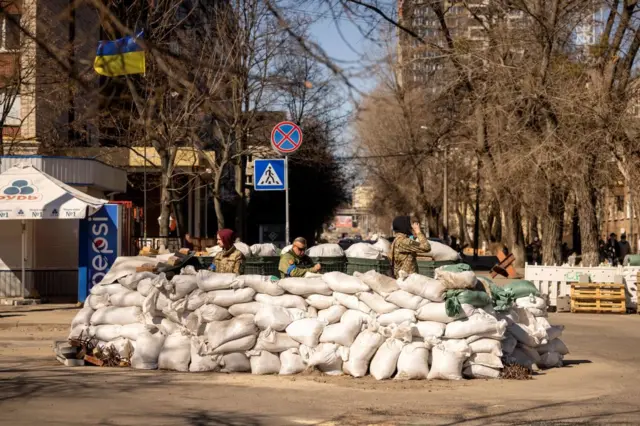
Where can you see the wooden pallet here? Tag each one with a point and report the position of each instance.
(599, 306)
(598, 291)
(598, 297)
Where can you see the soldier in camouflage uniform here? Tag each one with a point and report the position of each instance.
(404, 250)
(295, 263)
(230, 259)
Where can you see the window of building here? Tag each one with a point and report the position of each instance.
(619, 203)
(10, 32)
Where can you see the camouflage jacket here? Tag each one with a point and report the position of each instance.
(231, 260)
(294, 266)
(404, 252)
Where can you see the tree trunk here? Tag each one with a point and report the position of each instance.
(165, 194)
(553, 227)
(514, 234)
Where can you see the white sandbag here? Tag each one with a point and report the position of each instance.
(274, 317)
(542, 322)
(200, 360)
(116, 315)
(477, 324)
(305, 286)
(210, 313)
(342, 333)
(360, 317)
(528, 336)
(363, 251)
(97, 301)
(531, 302)
(105, 332)
(236, 362)
(361, 352)
(83, 317)
(145, 286)
(306, 331)
(194, 300)
(404, 299)
(286, 301)
(312, 312)
(383, 246)
(326, 357)
(325, 250)
(132, 331)
(436, 312)
(488, 360)
(263, 362)
(413, 362)
(183, 285)
(226, 298)
(274, 342)
(538, 312)
(238, 345)
(551, 360)
(379, 283)
(332, 314)
(477, 371)
(188, 270)
(486, 346)
(126, 298)
(286, 249)
(125, 266)
(555, 345)
(398, 316)
(448, 358)
(266, 249)
(320, 301)
(210, 281)
(220, 332)
(243, 248)
(131, 281)
(123, 347)
(376, 302)
(427, 329)
(351, 302)
(339, 281)
(250, 308)
(148, 347)
(109, 289)
(176, 353)
(165, 325)
(385, 361)
(440, 252)
(156, 303)
(262, 284)
(291, 362)
(425, 287)
(554, 332)
(456, 280)
(80, 331)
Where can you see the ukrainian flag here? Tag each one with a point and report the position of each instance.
(120, 57)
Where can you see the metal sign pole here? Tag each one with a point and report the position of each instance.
(286, 199)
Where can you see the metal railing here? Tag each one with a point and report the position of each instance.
(172, 244)
(60, 285)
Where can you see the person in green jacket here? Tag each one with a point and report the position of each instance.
(295, 263)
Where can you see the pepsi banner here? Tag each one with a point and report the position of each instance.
(100, 245)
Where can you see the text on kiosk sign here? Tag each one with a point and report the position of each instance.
(101, 249)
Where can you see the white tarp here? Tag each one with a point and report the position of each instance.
(28, 193)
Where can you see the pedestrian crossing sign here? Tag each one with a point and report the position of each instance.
(268, 175)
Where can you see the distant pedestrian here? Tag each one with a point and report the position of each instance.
(624, 248)
(613, 249)
(536, 249)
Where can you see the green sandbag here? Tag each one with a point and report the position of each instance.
(502, 297)
(458, 267)
(522, 288)
(454, 299)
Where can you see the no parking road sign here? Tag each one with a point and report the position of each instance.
(268, 175)
(286, 137)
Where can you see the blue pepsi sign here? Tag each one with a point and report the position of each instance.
(99, 241)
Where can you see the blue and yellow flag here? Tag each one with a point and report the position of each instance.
(120, 57)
